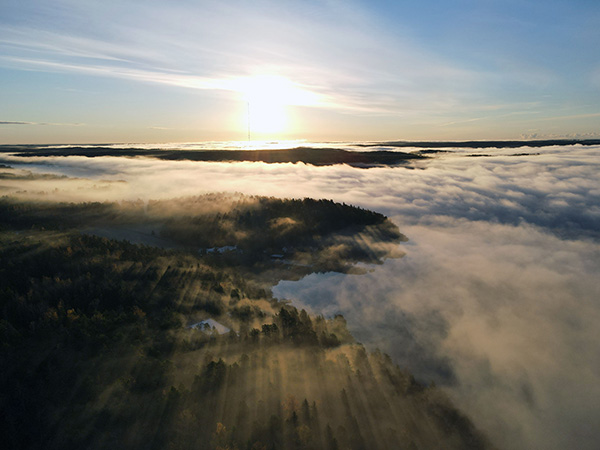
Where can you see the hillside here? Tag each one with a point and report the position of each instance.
(97, 349)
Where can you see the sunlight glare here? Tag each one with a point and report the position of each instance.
(268, 97)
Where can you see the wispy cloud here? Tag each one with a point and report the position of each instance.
(228, 42)
(573, 116)
(400, 63)
(42, 123)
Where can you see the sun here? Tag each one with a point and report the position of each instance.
(266, 114)
(268, 98)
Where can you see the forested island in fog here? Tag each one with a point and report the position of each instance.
(307, 155)
(152, 325)
(377, 154)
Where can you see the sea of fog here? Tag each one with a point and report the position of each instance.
(497, 298)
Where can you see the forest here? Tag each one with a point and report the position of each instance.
(107, 343)
(307, 155)
(265, 236)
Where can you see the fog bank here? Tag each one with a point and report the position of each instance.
(496, 298)
(504, 316)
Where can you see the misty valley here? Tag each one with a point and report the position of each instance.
(153, 299)
(108, 342)
(263, 225)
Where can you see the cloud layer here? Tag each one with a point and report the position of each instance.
(497, 296)
(554, 187)
(503, 315)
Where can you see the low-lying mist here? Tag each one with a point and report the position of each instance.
(503, 316)
(496, 298)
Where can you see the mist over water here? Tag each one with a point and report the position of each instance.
(502, 316)
(496, 298)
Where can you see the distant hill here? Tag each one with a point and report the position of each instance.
(313, 156)
(484, 144)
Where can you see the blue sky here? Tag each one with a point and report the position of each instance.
(149, 71)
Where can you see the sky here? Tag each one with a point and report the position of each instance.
(183, 71)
